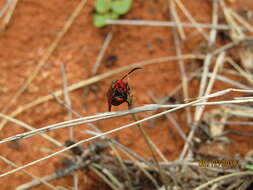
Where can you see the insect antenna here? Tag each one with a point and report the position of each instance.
(136, 68)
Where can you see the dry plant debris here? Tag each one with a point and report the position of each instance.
(209, 105)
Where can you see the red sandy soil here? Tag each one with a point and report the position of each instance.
(32, 29)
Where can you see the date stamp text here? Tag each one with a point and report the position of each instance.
(218, 163)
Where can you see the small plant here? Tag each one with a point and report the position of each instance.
(109, 9)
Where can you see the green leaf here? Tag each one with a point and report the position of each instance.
(250, 167)
(99, 20)
(113, 15)
(102, 6)
(121, 6)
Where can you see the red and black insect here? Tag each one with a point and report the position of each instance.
(119, 91)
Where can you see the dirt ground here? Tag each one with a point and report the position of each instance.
(30, 32)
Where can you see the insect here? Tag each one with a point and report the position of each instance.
(119, 91)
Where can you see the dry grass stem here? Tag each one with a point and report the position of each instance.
(208, 89)
(69, 103)
(102, 52)
(222, 178)
(142, 168)
(241, 20)
(111, 180)
(10, 10)
(67, 98)
(97, 78)
(150, 107)
(26, 126)
(236, 32)
(171, 119)
(213, 32)
(218, 65)
(203, 82)
(243, 73)
(129, 181)
(190, 17)
(244, 41)
(181, 65)
(95, 131)
(109, 115)
(40, 180)
(175, 16)
(230, 81)
(168, 24)
(153, 148)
